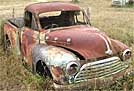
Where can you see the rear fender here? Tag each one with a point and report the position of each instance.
(13, 35)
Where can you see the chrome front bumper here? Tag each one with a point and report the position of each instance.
(97, 73)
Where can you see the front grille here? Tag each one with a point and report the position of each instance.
(100, 69)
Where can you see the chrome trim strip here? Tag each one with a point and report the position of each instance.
(108, 51)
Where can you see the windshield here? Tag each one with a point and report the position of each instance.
(61, 18)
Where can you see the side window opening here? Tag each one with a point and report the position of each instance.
(30, 21)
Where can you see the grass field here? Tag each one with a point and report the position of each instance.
(117, 22)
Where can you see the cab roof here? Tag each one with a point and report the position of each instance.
(51, 6)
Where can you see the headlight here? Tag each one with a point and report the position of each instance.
(72, 68)
(126, 54)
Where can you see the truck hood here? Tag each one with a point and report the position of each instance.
(89, 42)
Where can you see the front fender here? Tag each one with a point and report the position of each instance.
(119, 46)
(53, 57)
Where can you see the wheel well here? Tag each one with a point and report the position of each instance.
(40, 69)
(39, 66)
(6, 36)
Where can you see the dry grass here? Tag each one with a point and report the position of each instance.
(13, 76)
(16, 76)
(117, 22)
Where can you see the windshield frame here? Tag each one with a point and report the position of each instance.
(75, 15)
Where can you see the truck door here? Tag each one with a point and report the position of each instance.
(29, 35)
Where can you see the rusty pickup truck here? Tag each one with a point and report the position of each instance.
(57, 40)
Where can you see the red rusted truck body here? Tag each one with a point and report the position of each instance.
(66, 47)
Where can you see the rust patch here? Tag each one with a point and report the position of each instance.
(55, 6)
(57, 71)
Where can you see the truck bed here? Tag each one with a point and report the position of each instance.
(18, 22)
